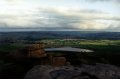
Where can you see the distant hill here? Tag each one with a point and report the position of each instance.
(33, 35)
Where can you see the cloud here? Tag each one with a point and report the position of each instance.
(27, 17)
(104, 0)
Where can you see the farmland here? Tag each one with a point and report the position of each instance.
(108, 50)
(105, 51)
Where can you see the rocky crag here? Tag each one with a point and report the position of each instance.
(98, 71)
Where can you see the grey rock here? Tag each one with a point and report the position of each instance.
(98, 71)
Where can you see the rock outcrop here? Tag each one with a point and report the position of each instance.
(98, 71)
(30, 51)
(36, 51)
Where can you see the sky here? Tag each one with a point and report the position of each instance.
(60, 15)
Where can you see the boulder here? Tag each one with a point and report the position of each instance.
(59, 61)
(98, 71)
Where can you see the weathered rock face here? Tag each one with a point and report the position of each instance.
(58, 61)
(36, 51)
(98, 71)
(31, 51)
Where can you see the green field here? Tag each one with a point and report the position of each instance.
(104, 50)
(96, 45)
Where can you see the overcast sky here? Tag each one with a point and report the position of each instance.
(67, 15)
